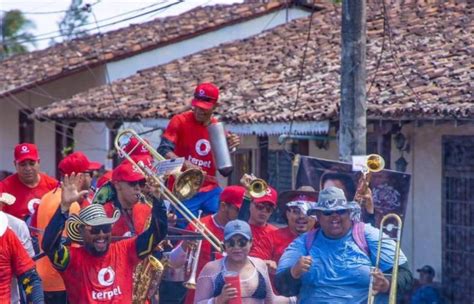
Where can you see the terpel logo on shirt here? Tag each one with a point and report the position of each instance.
(24, 150)
(106, 276)
(203, 147)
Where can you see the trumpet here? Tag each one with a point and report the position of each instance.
(256, 187)
(389, 227)
(374, 163)
(193, 258)
(188, 183)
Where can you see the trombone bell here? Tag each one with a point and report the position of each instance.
(187, 183)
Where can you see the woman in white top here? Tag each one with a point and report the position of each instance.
(255, 283)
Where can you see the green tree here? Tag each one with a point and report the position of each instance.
(75, 17)
(15, 33)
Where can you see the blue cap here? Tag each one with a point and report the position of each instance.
(236, 227)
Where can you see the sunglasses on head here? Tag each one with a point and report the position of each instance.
(295, 210)
(140, 183)
(331, 212)
(203, 98)
(98, 229)
(239, 243)
(266, 207)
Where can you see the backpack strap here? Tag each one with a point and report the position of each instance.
(358, 233)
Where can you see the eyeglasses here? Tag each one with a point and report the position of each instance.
(331, 212)
(140, 183)
(266, 207)
(98, 229)
(240, 243)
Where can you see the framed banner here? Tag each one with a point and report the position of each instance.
(389, 188)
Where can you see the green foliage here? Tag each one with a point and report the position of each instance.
(15, 33)
(75, 17)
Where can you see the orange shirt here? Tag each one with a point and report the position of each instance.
(26, 197)
(50, 202)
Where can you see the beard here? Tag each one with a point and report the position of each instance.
(91, 248)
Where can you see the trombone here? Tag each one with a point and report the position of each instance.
(186, 185)
(389, 227)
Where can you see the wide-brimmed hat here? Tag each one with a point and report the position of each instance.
(333, 199)
(302, 194)
(92, 215)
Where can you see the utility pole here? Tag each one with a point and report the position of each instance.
(353, 116)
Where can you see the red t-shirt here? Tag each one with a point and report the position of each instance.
(274, 244)
(140, 215)
(191, 140)
(14, 261)
(258, 233)
(26, 197)
(206, 250)
(108, 278)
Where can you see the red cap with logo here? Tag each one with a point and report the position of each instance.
(76, 162)
(26, 151)
(205, 96)
(126, 172)
(271, 197)
(134, 147)
(233, 195)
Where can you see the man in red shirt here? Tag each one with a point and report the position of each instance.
(293, 205)
(15, 261)
(186, 136)
(260, 211)
(28, 185)
(231, 200)
(99, 271)
(77, 162)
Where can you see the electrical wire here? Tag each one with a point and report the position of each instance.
(47, 12)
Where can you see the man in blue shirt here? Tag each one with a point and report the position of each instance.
(427, 293)
(335, 265)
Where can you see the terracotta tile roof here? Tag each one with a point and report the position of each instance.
(30, 69)
(259, 76)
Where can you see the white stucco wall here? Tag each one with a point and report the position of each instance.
(129, 66)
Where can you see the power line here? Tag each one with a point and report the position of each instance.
(12, 40)
(46, 12)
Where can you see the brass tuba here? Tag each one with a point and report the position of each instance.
(389, 227)
(189, 183)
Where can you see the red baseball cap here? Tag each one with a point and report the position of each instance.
(26, 151)
(205, 96)
(126, 172)
(104, 179)
(233, 195)
(134, 147)
(76, 162)
(271, 197)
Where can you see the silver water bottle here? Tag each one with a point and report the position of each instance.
(219, 148)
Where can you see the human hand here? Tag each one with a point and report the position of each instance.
(190, 165)
(70, 192)
(245, 180)
(228, 293)
(172, 219)
(271, 265)
(233, 141)
(188, 245)
(380, 282)
(301, 267)
(366, 200)
(153, 187)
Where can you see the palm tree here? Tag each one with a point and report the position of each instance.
(15, 33)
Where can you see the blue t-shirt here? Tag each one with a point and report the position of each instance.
(340, 272)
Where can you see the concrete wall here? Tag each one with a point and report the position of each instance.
(159, 56)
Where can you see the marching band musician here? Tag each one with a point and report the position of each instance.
(293, 205)
(187, 136)
(231, 200)
(99, 270)
(332, 264)
(77, 162)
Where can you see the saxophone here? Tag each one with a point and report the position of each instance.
(148, 273)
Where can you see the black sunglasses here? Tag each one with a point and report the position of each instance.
(266, 207)
(204, 98)
(140, 183)
(98, 229)
(232, 243)
(338, 212)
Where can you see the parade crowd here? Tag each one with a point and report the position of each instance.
(87, 237)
